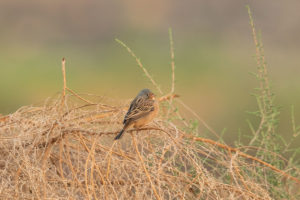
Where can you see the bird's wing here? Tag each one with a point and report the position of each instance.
(139, 108)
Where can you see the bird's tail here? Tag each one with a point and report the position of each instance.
(120, 134)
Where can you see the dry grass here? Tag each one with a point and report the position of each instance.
(54, 152)
(49, 152)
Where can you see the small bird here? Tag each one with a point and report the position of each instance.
(142, 110)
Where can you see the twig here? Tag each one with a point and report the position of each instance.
(168, 97)
(173, 72)
(172, 60)
(79, 97)
(109, 159)
(231, 149)
(63, 66)
(199, 118)
(140, 65)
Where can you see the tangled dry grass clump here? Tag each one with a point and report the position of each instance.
(67, 151)
(55, 152)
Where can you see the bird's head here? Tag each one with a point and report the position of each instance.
(147, 93)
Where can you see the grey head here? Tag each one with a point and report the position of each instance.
(146, 93)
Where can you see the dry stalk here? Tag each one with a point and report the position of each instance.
(140, 65)
(79, 97)
(63, 66)
(109, 160)
(172, 60)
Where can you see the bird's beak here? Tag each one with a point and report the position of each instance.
(152, 96)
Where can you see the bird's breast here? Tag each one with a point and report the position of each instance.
(148, 118)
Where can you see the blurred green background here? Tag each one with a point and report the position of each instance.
(213, 53)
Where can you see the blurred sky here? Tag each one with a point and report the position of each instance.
(213, 52)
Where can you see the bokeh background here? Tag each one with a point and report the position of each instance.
(213, 53)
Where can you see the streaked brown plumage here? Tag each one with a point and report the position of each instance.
(142, 110)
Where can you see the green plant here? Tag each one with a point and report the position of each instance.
(269, 145)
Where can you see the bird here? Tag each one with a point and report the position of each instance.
(142, 110)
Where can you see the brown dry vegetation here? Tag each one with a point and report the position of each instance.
(65, 150)
(55, 152)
